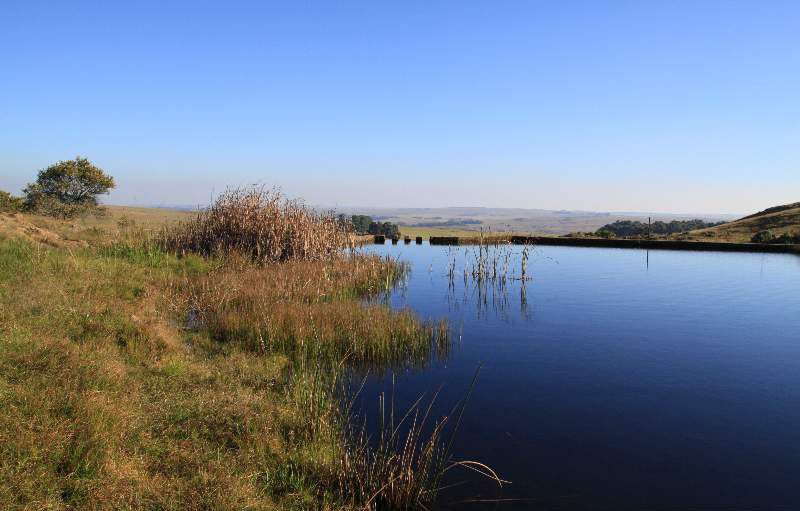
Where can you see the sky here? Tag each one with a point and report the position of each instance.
(662, 106)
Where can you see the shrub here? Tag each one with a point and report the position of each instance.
(10, 203)
(786, 238)
(385, 228)
(262, 225)
(51, 206)
(634, 228)
(769, 237)
(763, 237)
(67, 188)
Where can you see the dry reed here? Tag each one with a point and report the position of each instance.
(261, 224)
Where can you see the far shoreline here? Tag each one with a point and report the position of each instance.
(707, 246)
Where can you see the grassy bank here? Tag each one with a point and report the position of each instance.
(427, 232)
(110, 399)
(778, 220)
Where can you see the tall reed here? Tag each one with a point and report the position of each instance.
(404, 465)
(261, 224)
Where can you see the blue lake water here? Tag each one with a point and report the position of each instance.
(616, 379)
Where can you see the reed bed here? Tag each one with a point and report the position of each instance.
(315, 310)
(489, 261)
(261, 224)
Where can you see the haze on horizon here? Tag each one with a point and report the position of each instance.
(607, 106)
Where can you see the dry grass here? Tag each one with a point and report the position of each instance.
(261, 224)
(427, 232)
(108, 402)
(102, 226)
(780, 220)
(312, 310)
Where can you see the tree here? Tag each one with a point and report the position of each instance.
(68, 187)
(603, 232)
(763, 237)
(634, 228)
(10, 203)
(390, 229)
(384, 228)
(361, 223)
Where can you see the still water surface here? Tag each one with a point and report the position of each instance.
(616, 378)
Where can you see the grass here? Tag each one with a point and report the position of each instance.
(780, 220)
(309, 310)
(427, 232)
(108, 400)
(111, 222)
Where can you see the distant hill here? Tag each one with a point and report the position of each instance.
(778, 219)
(448, 220)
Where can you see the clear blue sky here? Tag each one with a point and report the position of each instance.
(676, 106)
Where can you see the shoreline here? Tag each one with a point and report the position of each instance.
(707, 246)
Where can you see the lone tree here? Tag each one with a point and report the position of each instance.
(68, 187)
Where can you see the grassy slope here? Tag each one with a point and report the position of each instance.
(781, 219)
(115, 221)
(147, 216)
(106, 402)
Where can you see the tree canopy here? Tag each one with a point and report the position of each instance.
(364, 224)
(67, 187)
(75, 181)
(361, 223)
(633, 228)
(769, 237)
(384, 228)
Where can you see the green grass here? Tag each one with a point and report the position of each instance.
(107, 402)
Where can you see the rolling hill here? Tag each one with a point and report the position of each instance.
(778, 219)
(463, 221)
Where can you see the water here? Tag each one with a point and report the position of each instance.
(617, 379)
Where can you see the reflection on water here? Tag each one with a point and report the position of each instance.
(489, 298)
(479, 279)
(613, 378)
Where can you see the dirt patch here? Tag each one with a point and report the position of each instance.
(14, 225)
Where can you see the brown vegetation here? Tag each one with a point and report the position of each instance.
(110, 399)
(309, 311)
(780, 220)
(261, 224)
